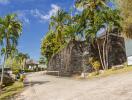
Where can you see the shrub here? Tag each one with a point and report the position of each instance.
(15, 71)
(28, 70)
(7, 79)
(22, 76)
(95, 64)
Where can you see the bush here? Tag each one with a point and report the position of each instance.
(95, 64)
(9, 92)
(15, 71)
(7, 79)
(28, 70)
(22, 76)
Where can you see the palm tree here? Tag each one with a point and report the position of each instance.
(72, 31)
(22, 59)
(58, 22)
(10, 29)
(99, 15)
(91, 21)
(25, 57)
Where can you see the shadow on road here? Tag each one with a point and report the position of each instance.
(35, 83)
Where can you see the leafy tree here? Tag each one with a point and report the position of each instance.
(21, 57)
(14, 64)
(42, 60)
(126, 12)
(72, 31)
(58, 23)
(55, 38)
(99, 15)
(50, 45)
(95, 15)
(10, 29)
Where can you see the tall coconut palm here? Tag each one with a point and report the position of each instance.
(72, 31)
(10, 29)
(58, 22)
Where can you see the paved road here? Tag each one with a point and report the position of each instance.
(43, 87)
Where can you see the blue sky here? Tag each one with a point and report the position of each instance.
(34, 15)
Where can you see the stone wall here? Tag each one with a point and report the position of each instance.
(70, 59)
(117, 51)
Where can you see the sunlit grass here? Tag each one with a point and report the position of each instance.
(10, 91)
(105, 73)
(110, 72)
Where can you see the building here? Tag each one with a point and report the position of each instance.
(31, 64)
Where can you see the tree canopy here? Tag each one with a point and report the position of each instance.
(95, 14)
(126, 12)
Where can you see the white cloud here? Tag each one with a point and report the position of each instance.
(42, 16)
(53, 11)
(22, 16)
(4, 2)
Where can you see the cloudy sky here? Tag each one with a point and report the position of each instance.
(34, 15)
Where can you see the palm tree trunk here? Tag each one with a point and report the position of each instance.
(101, 60)
(2, 74)
(8, 47)
(6, 55)
(107, 44)
(24, 65)
(104, 53)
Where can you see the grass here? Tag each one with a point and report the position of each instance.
(110, 72)
(12, 90)
(106, 73)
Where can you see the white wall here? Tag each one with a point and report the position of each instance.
(128, 45)
(129, 59)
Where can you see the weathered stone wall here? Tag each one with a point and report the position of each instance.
(70, 59)
(117, 51)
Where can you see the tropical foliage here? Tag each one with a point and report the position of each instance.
(95, 64)
(126, 12)
(50, 45)
(10, 29)
(17, 62)
(85, 25)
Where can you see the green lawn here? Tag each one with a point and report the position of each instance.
(111, 72)
(10, 91)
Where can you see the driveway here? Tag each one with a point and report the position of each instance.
(44, 87)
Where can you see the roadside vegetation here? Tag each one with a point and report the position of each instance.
(13, 62)
(109, 72)
(10, 91)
